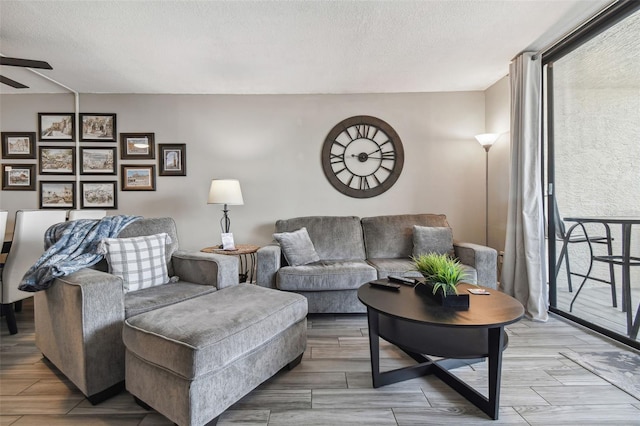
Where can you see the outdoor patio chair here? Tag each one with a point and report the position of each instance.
(574, 236)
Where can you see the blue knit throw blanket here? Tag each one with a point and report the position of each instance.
(71, 246)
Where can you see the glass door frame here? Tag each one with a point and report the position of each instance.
(601, 22)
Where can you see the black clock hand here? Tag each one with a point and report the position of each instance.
(388, 157)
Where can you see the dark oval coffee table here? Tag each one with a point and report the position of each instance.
(422, 328)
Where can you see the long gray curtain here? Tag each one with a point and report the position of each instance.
(524, 269)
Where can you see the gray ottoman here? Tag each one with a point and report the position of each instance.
(193, 360)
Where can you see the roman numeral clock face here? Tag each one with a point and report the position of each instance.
(362, 156)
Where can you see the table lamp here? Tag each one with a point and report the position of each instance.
(228, 193)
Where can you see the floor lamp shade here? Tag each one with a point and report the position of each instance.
(487, 139)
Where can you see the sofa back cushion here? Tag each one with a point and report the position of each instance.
(152, 226)
(333, 237)
(149, 226)
(392, 236)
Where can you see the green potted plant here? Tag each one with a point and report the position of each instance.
(442, 275)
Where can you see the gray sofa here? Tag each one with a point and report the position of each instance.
(353, 251)
(79, 319)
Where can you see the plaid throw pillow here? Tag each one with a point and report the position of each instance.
(139, 261)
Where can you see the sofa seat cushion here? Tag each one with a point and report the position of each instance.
(326, 275)
(141, 301)
(405, 267)
(386, 267)
(204, 334)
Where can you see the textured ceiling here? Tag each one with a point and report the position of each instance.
(247, 47)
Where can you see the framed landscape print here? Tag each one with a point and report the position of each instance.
(172, 159)
(19, 145)
(57, 194)
(18, 177)
(56, 126)
(137, 146)
(98, 127)
(98, 195)
(98, 161)
(56, 160)
(138, 177)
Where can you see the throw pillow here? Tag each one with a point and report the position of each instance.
(139, 261)
(432, 239)
(297, 247)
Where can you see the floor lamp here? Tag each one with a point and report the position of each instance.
(487, 140)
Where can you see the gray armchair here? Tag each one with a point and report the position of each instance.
(79, 319)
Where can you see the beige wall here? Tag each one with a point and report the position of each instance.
(272, 144)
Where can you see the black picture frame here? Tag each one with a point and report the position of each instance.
(100, 194)
(57, 194)
(56, 160)
(138, 177)
(137, 146)
(98, 161)
(172, 159)
(19, 145)
(98, 127)
(56, 127)
(18, 177)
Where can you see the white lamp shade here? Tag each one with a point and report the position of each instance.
(225, 191)
(487, 139)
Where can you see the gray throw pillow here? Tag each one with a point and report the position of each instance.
(297, 247)
(432, 239)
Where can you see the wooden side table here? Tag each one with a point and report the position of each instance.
(246, 254)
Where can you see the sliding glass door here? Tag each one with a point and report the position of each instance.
(593, 171)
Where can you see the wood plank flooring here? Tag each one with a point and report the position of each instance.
(332, 385)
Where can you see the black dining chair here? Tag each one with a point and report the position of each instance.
(581, 236)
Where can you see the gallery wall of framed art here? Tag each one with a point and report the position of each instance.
(70, 170)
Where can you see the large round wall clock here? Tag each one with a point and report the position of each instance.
(362, 156)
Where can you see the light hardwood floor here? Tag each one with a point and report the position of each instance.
(332, 385)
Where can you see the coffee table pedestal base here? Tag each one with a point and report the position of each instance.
(399, 332)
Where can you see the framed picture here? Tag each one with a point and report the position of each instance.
(172, 159)
(98, 161)
(56, 126)
(56, 160)
(57, 194)
(98, 195)
(19, 177)
(138, 146)
(138, 177)
(98, 127)
(19, 145)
